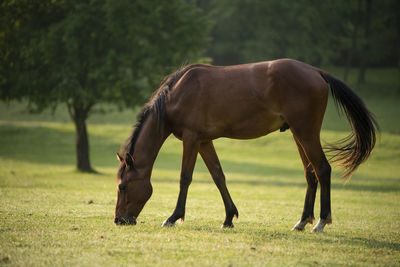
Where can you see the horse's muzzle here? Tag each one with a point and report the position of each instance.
(125, 220)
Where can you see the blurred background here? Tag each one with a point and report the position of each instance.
(97, 56)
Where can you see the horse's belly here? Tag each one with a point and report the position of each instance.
(253, 126)
(253, 131)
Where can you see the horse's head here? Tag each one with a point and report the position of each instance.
(134, 189)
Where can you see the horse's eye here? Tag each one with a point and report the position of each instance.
(122, 187)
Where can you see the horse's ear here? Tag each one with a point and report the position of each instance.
(129, 160)
(119, 158)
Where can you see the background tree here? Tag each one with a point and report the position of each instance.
(86, 52)
(358, 33)
(365, 47)
(353, 50)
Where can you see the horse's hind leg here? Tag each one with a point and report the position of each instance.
(211, 160)
(313, 150)
(312, 183)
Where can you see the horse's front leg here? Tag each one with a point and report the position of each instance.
(207, 152)
(190, 150)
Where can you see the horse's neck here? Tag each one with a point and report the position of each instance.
(149, 142)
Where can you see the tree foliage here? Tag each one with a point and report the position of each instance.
(95, 51)
(86, 52)
(318, 32)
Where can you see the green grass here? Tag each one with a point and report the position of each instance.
(52, 215)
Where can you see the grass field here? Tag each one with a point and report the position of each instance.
(52, 215)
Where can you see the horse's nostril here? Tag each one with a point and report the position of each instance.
(122, 187)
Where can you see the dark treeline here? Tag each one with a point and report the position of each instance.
(358, 33)
(86, 53)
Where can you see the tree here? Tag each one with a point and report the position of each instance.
(365, 48)
(353, 50)
(86, 52)
(253, 30)
(332, 32)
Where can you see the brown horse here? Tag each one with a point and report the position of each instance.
(201, 102)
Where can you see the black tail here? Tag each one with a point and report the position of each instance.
(356, 148)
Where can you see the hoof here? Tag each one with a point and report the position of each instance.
(167, 223)
(319, 228)
(300, 225)
(227, 225)
(297, 228)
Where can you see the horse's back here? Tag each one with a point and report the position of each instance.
(240, 101)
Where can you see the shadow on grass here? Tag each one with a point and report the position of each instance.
(368, 242)
(265, 182)
(282, 182)
(36, 144)
(267, 176)
(46, 145)
(319, 238)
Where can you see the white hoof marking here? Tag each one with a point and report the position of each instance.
(300, 225)
(167, 223)
(319, 228)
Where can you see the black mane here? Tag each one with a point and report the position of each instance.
(155, 104)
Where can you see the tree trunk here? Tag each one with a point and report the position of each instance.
(354, 37)
(79, 115)
(364, 54)
(397, 7)
(398, 59)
